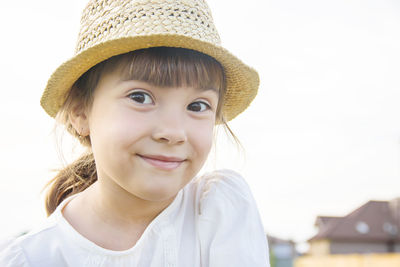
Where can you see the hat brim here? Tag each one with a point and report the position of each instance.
(242, 81)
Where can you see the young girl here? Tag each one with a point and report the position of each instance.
(143, 93)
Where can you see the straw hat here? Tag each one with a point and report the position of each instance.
(112, 27)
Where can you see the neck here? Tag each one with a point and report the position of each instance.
(115, 206)
(119, 217)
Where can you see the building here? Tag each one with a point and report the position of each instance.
(282, 252)
(372, 228)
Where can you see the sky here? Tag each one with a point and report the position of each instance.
(321, 138)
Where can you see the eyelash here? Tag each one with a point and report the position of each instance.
(141, 94)
(207, 106)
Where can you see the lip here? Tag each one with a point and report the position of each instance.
(162, 162)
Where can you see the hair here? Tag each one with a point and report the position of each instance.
(159, 66)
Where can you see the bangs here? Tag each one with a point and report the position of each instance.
(159, 66)
(172, 67)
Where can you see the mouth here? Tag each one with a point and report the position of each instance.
(162, 162)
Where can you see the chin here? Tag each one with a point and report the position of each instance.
(158, 187)
(158, 194)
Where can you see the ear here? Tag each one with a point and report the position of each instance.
(79, 120)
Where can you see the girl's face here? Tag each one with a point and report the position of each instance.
(147, 140)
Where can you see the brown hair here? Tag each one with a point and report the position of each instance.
(160, 66)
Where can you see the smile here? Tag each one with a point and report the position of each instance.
(162, 162)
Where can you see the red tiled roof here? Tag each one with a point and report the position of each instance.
(374, 221)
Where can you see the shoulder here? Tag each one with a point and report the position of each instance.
(225, 189)
(229, 227)
(13, 255)
(27, 249)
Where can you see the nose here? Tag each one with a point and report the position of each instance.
(170, 129)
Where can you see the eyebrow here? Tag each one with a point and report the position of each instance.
(208, 89)
(127, 79)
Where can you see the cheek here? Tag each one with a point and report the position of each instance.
(203, 140)
(115, 130)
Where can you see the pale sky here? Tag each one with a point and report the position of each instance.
(321, 138)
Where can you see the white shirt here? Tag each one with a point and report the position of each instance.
(213, 222)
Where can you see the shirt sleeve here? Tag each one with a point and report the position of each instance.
(13, 256)
(230, 228)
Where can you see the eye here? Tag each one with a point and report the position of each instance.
(141, 97)
(198, 106)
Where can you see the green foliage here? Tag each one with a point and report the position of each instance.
(272, 258)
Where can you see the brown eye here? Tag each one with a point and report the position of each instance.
(198, 106)
(141, 97)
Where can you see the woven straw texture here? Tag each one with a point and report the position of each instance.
(112, 27)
